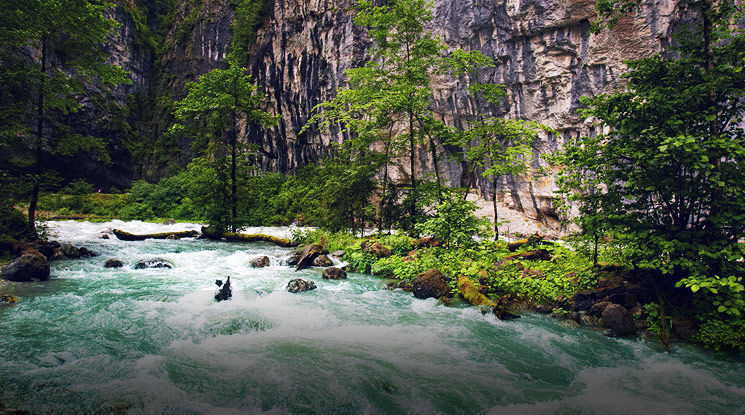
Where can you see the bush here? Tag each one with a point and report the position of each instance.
(723, 336)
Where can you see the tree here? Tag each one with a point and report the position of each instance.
(388, 99)
(667, 168)
(213, 105)
(66, 59)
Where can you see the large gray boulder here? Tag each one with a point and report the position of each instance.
(619, 320)
(27, 267)
(298, 285)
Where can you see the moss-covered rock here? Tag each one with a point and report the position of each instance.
(27, 267)
(430, 284)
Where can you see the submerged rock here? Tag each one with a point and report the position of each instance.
(333, 273)
(260, 262)
(299, 285)
(430, 284)
(113, 263)
(27, 267)
(322, 261)
(618, 319)
(225, 292)
(153, 263)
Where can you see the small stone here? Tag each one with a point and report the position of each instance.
(260, 262)
(586, 320)
(87, 253)
(169, 221)
(104, 236)
(113, 263)
(299, 285)
(338, 254)
(333, 273)
(543, 309)
(322, 261)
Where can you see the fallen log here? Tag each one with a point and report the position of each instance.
(126, 236)
(211, 233)
(475, 297)
(471, 293)
(531, 240)
(537, 255)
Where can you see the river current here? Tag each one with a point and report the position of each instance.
(154, 341)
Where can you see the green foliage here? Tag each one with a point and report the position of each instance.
(13, 224)
(723, 336)
(725, 294)
(249, 16)
(454, 223)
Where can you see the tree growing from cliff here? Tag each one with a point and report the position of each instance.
(41, 88)
(215, 104)
(667, 172)
(388, 99)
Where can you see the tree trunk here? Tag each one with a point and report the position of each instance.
(233, 185)
(39, 134)
(494, 203)
(385, 185)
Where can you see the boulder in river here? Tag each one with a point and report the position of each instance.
(309, 254)
(430, 284)
(69, 251)
(260, 262)
(299, 285)
(322, 261)
(225, 292)
(47, 248)
(113, 263)
(27, 267)
(333, 273)
(619, 320)
(153, 263)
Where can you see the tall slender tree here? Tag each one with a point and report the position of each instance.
(55, 48)
(218, 101)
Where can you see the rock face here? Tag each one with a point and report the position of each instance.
(333, 273)
(260, 262)
(431, 284)
(299, 285)
(27, 267)
(618, 319)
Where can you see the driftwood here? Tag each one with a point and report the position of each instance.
(210, 233)
(126, 236)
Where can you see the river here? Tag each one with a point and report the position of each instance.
(98, 340)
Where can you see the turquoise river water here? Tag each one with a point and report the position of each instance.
(154, 341)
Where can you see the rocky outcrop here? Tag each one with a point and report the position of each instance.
(430, 284)
(27, 267)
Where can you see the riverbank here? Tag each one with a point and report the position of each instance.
(92, 339)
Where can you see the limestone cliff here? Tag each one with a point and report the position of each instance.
(543, 49)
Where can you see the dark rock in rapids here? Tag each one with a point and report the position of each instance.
(153, 263)
(333, 273)
(225, 292)
(299, 285)
(260, 262)
(27, 267)
(430, 284)
(113, 263)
